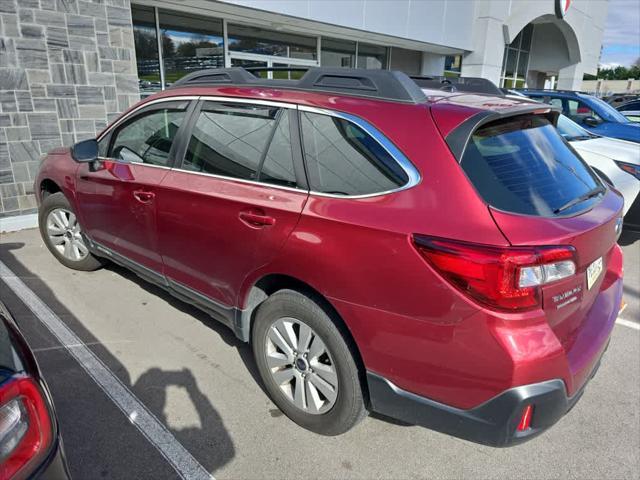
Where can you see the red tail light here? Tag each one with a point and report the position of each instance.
(505, 278)
(25, 428)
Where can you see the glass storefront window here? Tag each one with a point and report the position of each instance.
(515, 62)
(189, 43)
(337, 53)
(452, 65)
(372, 57)
(256, 40)
(146, 44)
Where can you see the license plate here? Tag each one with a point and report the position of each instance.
(593, 272)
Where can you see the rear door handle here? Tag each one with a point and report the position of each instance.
(256, 219)
(144, 197)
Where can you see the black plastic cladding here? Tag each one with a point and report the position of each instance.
(458, 84)
(379, 84)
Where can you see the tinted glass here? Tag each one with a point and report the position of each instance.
(277, 167)
(634, 105)
(337, 53)
(522, 165)
(148, 137)
(343, 159)
(230, 140)
(578, 111)
(189, 43)
(244, 38)
(146, 44)
(607, 112)
(372, 57)
(570, 130)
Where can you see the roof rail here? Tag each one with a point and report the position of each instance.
(553, 90)
(379, 84)
(458, 84)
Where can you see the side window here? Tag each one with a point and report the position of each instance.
(148, 137)
(556, 102)
(343, 159)
(277, 167)
(578, 111)
(233, 140)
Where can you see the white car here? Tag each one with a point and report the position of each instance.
(615, 161)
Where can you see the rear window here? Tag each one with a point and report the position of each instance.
(522, 165)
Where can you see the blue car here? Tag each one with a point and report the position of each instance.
(590, 112)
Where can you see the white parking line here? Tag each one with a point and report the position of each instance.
(156, 433)
(628, 323)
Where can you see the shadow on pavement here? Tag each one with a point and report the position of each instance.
(99, 440)
(628, 237)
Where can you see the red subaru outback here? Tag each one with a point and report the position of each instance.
(438, 256)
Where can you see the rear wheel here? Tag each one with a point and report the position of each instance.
(62, 234)
(306, 365)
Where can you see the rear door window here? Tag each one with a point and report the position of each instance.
(522, 165)
(343, 159)
(249, 142)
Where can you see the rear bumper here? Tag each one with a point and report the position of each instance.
(493, 423)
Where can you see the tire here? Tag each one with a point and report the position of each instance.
(56, 216)
(287, 309)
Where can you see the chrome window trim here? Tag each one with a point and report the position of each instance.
(412, 172)
(242, 180)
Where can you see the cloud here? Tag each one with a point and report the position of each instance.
(621, 42)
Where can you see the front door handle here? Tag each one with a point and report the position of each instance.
(256, 219)
(143, 196)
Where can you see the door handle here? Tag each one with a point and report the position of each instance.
(144, 197)
(256, 219)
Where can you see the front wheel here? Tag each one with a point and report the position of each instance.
(306, 364)
(62, 234)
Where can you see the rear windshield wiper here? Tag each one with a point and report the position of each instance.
(581, 198)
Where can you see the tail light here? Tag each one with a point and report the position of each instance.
(25, 428)
(505, 278)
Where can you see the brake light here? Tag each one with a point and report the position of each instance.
(504, 278)
(25, 428)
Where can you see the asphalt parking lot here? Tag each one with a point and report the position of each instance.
(190, 375)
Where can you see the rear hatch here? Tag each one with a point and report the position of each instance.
(541, 193)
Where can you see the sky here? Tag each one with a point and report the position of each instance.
(621, 42)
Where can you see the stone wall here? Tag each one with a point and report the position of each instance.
(66, 68)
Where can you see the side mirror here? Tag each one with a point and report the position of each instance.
(85, 151)
(591, 121)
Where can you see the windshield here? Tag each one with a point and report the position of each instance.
(607, 112)
(521, 165)
(570, 130)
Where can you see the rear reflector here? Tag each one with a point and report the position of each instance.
(25, 428)
(525, 420)
(505, 278)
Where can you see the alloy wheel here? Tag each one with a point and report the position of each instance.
(65, 235)
(301, 365)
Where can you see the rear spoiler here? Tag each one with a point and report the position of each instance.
(458, 138)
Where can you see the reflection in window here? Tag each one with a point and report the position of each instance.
(230, 140)
(244, 38)
(146, 44)
(452, 65)
(148, 138)
(372, 57)
(343, 159)
(189, 43)
(277, 167)
(337, 53)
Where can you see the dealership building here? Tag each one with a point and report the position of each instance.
(69, 66)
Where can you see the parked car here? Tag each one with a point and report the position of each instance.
(631, 110)
(590, 113)
(30, 443)
(615, 161)
(618, 99)
(438, 257)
